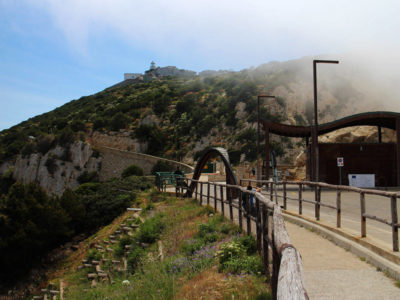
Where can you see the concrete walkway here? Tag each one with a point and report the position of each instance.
(334, 273)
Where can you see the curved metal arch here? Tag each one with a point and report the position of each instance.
(221, 152)
(378, 118)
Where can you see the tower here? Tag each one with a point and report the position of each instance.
(152, 66)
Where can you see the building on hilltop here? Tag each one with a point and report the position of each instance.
(169, 71)
(133, 76)
(156, 72)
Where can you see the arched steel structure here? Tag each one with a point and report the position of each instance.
(383, 119)
(221, 152)
(380, 119)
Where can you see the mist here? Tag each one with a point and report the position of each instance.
(110, 37)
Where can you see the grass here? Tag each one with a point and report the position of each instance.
(191, 237)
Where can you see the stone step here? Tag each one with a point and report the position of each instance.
(134, 209)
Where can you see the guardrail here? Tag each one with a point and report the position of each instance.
(393, 223)
(273, 242)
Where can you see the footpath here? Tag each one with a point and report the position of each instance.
(331, 272)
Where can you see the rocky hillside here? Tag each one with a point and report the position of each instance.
(177, 118)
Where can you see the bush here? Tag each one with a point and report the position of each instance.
(233, 258)
(132, 170)
(31, 223)
(150, 230)
(135, 258)
(51, 164)
(88, 177)
(249, 265)
(45, 144)
(93, 254)
(249, 243)
(191, 246)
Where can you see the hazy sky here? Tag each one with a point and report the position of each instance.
(53, 51)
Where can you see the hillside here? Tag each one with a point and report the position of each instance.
(177, 118)
(167, 248)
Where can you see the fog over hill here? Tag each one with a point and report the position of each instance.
(177, 117)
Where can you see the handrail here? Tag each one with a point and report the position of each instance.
(340, 188)
(286, 270)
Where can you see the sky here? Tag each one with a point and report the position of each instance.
(54, 51)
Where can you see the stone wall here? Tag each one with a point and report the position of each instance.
(115, 161)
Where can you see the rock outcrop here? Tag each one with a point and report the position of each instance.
(59, 168)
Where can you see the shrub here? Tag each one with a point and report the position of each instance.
(249, 243)
(31, 223)
(191, 246)
(51, 164)
(28, 149)
(249, 265)
(45, 144)
(93, 254)
(132, 170)
(229, 251)
(150, 230)
(88, 177)
(233, 258)
(135, 258)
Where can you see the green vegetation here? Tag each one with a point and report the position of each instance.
(181, 272)
(132, 170)
(32, 223)
(183, 110)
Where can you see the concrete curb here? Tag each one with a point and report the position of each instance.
(377, 259)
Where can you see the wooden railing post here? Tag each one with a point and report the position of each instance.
(338, 209)
(222, 200)
(271, 193)
(317, 202)
(265, 239)
(363, 218)
(284, 196)
(229, 195)
(258, 227)
(201, 193)
(275, 266)
(395, 229)
(248, 209)
(300, 199)
(240, 212)
(215, 197)
(208, 193)
(195, 190)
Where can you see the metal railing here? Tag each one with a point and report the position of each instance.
(273, 242)
(317, 202)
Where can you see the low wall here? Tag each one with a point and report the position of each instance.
(115, 161)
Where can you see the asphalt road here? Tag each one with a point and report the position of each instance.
(351, 213)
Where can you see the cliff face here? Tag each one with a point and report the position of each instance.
(58, 169)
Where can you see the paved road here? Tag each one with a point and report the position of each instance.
(330, 271)
(351, 219)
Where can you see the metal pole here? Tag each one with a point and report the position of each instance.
(315, 128)
(259, 168)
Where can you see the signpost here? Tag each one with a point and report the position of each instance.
(340, 164)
